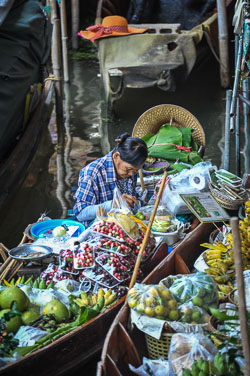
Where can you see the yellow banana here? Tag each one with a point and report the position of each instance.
(222, 266)
(90, 300)
(79, 302)
(221, 278)
(212, 262)
(107, 294)
(228, 261)
(217, 246)
(214, 271)
(83, 294)
(100, 293)
(110, 299)
(222, 295)
(224, 288)
(94, 299)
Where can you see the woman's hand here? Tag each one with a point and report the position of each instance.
(130, 200)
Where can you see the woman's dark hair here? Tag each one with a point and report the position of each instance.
(132, 150)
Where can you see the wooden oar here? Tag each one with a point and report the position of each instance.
(234, 222)
(144, 243)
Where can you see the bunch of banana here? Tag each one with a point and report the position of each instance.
(90, 299)
(222, 364)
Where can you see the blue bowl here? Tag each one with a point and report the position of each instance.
(45, 228)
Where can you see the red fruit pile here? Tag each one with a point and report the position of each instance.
(84, 256)
(113, 246)
(66, 262)
(118, 266)
(110, 229)
(49, 273)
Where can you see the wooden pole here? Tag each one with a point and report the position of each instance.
(57, 63)
(141, 180)
(237, 137)
(234, 222)
(223, 44)
(64, 37)
(144, 243)
(75, 17)
(236, 83)
(226, 160)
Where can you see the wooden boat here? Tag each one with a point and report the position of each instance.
(163, 57)
(78, 347)
(13, 169)
(125, 345)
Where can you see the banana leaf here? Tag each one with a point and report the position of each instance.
(186, 136)
(165, 144)
(194, 157)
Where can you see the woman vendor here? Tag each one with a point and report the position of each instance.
(98, 180)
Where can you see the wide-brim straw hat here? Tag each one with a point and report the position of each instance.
(111, 26)
(151, 121)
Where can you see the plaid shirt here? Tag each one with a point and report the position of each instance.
(97, 182)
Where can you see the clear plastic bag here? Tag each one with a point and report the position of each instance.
(192, 314)
(186, 348)
(149, 367)
(198, 288)
(153, 301)
(187, 181)
(28, 335)
(119, 202)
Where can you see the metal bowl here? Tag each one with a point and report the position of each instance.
(30, 252)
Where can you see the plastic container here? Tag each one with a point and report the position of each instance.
(45, 228)
(100, 279)
(111, 269)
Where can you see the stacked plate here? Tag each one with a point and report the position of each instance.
(227, 188)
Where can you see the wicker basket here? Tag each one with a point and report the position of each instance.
(231, 298)
(152, 119)
(226, 202)
(158, 347)
(215, 236)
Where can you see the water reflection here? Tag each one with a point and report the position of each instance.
(89, 132)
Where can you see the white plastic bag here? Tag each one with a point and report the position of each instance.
(159, 367)
(186, 348)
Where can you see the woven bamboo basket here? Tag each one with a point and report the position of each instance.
(158, 347)
(226, 202)
(152, 119)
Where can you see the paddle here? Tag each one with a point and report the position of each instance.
(144, 243)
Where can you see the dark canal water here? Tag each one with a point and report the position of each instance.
(91, 130)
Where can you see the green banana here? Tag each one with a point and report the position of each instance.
(35, 284)
(22, 279)
(220, 365)
(30, 279)
(42, 284)
(51, 285)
